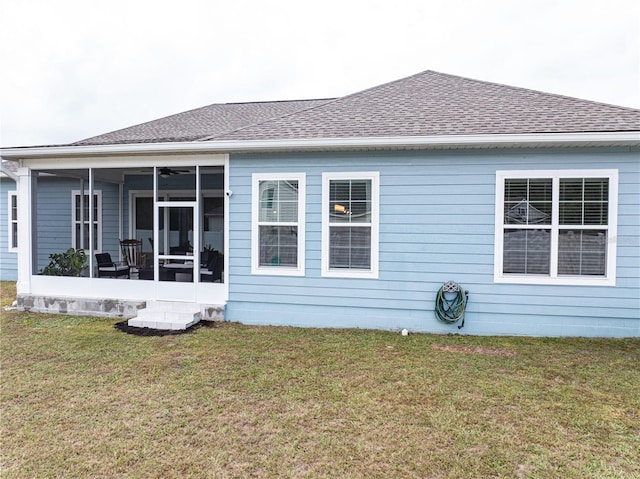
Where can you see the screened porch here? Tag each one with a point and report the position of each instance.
(163, 224)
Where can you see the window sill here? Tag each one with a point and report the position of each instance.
(277, 271)
(559, 281)
(355, 274)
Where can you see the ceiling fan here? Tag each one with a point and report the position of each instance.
(166, 172)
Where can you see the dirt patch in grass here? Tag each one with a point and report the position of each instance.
(125, 328)
(471, 349)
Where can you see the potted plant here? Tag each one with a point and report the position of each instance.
(70, 263)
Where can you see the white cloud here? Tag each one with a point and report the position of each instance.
(73, 69)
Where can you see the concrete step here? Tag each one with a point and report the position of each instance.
(172, 315)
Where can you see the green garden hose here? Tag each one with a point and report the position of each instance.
(451, 301)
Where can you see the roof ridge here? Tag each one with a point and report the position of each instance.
(270, 101)
(329, 100)
(525, 89)
(391, 82)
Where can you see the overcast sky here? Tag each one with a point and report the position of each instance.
(72, 69)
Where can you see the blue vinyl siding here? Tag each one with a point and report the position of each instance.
(8, 259)
(54, 217)
(436, 224)
(110, 218)
(134, 183)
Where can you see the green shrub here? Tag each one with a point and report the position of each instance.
(70, 263)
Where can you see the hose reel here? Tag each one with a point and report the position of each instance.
(451, 302)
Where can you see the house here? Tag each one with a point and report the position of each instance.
(351, 212)
(8, 222)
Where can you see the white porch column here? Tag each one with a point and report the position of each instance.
(27, 248)
(227, 222)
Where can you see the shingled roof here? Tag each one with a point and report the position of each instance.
(425, 104)
(209, 121)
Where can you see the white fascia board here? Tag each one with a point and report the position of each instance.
(630, 138)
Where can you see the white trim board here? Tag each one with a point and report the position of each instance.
(219, 148)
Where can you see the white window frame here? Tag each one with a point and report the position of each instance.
(13, 196)
(609, 279)
(256, 268)
(98, 220)
(373, 271)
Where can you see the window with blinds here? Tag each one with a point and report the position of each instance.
(557, 225)
(350, 224)
(278, 225)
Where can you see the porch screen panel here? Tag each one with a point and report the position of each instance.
(213, 222)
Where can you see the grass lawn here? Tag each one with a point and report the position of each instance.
(81, 399)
